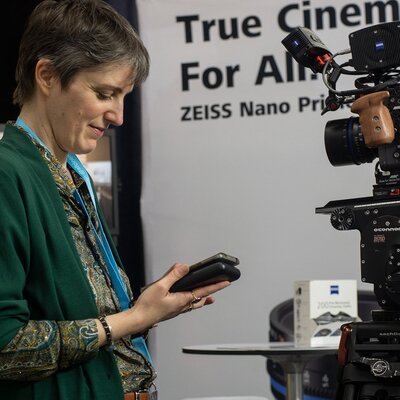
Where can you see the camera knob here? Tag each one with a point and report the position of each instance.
(342, 219)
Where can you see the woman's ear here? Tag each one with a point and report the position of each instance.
(45, 76)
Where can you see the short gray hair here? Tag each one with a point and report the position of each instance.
(76, 35)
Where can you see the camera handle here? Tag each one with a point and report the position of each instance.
(375, 119)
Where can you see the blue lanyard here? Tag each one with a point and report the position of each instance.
(72, 159)
(74, 162)
(112, 267)
(119, 286)
(21, 123)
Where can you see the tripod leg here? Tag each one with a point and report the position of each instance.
(349, 392)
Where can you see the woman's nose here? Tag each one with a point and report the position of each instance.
(115, 115)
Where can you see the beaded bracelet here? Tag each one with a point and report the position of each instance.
(107, 330)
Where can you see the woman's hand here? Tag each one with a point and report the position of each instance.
(157, 303)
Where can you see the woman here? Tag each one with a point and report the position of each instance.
(68, 329)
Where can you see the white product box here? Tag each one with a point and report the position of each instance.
(321, 307)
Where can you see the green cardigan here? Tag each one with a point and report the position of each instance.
(41, 276)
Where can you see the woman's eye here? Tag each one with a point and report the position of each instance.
(103, 96)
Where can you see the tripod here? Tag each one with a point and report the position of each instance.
(369, 359)
(369, 352)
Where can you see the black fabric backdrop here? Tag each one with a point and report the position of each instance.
(129, 162)
(16, 11)
(130, 241)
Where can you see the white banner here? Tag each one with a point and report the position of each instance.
(234, 161)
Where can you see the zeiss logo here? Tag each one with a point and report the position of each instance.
(379, 46)
(334, 289)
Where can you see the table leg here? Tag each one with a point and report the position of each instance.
(294, 378)
(294, 385)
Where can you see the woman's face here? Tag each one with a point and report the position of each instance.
(79, 114)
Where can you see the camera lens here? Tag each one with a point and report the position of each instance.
(344, 143)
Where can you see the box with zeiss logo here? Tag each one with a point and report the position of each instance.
(321, 307)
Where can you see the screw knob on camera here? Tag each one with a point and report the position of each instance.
(342, 219)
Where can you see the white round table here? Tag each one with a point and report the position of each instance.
(293, 359)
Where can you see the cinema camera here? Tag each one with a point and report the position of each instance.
(369, 352)
(375, 133)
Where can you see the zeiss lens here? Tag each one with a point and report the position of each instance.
(344, 143)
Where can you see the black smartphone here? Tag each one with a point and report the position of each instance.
(219, 257)
(217, 268)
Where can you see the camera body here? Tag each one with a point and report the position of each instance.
(376, 47)
(379, 225)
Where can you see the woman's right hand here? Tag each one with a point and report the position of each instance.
(156, 303)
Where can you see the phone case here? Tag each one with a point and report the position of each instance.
(206, 275)
(219, 257)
